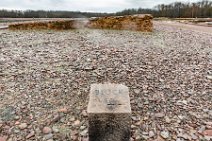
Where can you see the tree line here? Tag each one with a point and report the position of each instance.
(47, 14)
(202, 9)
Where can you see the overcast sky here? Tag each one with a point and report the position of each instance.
(82, 5)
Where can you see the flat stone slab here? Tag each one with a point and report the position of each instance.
(109, 113)
(3, 27)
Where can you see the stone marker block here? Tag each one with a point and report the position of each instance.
(109, 113)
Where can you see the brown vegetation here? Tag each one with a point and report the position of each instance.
(58, 25)
(134, 22)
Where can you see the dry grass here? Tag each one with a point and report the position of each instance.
(135, 22)
(57, 25)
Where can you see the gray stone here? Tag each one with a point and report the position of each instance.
(159, 115)
(137, 91)
(82, 127)
(7, 114)
(180, 139)
(164, 134)
(55, 129)
(208, 138)
(48, 136)
(209, 76)
(47, 130)
(167, 119)
(84, 132)
(22, 126)
(151, 134)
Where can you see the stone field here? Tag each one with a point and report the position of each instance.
(45, 78)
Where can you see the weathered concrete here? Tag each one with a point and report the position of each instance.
(109, 113)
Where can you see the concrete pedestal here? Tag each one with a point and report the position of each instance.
(109, 113)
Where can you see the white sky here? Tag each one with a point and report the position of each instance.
(83, 5)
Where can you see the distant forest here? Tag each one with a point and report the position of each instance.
(202, 9)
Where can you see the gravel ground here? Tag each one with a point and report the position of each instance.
(45, 78)
(202, 27)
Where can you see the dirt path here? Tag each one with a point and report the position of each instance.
(184, 26)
